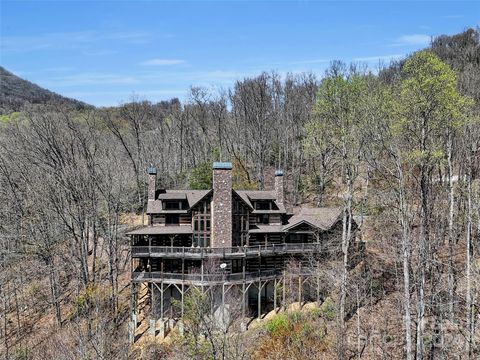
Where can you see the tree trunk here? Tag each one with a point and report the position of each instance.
(468, 270)
(405, 222)
(451, 269)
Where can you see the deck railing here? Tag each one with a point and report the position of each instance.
(200, 252)
(197, 277)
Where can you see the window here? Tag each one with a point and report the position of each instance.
(172, 219)
(262, 205)
(171, 205)
(237, 266)
(263, 219)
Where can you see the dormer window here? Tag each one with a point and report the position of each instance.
(265, 205)
(175, 204)
(171, 205)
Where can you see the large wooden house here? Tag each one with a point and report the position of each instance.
(222, 236)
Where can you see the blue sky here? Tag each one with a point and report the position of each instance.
(105, 52)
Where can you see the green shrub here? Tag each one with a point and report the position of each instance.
(315, 312)
(296, 317)
(328, 309)
(277, 325)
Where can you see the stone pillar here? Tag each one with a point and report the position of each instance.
(152, 327)
(131, 332)
(180, 327)
(279, 187)
(152, 182)
(222, 205)
(162, 328)
(171, 324)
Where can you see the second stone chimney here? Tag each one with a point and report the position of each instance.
(152, 182)
(279, 187)
(222, 205)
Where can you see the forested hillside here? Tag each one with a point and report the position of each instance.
(398, 150)
(16, 92)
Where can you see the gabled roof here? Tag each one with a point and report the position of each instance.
(253, 195)
(193, 197)
(321, 218)
(243, 195)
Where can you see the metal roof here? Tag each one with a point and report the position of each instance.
(222, 165)
(152, 170)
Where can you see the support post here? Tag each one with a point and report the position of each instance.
(300, 290)
(162, 320)
(153, 319)
(300, 286)
(135, 305)
(131, 332)
(259, 299)
(318, 284)
(180, 323)
(275, 294)
(182, 299)
(201, 269)
(244, 305)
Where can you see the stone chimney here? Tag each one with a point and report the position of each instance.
(222, 205)
(152, 182)
(279, 187)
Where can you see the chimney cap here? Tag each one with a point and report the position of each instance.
(222, 165)
(279, 172)
(152, 170)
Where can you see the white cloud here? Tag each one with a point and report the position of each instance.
(414, 39)
(162, 62)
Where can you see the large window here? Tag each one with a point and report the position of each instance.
(201, 224)
(239, 223)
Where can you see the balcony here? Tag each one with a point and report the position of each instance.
(227, 252)
(199, 279)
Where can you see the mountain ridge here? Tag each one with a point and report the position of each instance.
(15, 92)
